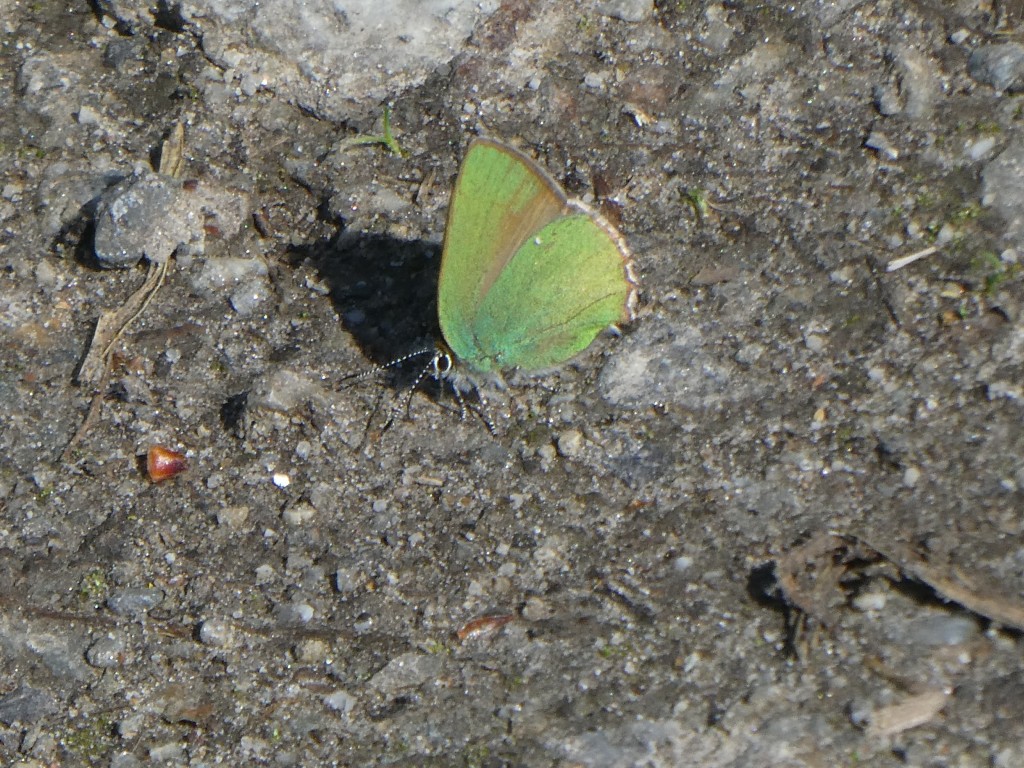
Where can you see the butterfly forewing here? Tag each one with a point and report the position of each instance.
(500, 199)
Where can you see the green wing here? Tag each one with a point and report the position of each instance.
(527, 279)
(557, 293)
(500, 199)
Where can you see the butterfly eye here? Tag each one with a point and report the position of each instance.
(442, 364)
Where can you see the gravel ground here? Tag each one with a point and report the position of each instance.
(779, 521)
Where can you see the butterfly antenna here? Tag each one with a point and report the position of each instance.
(365, 374)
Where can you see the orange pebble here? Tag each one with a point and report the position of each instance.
(162, 463)
(483, 626)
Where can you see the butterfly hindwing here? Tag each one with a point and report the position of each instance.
(559, 291)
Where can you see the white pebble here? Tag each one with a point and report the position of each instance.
(570, 443)
(870, 601)
(216, 632)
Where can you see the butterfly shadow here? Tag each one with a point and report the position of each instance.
(384, 289)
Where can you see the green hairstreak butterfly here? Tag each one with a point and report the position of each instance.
(529, 278)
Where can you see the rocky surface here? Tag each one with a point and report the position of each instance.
(778, 521)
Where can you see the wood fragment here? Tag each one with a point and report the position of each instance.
(112, 324)
(110, 327)
(90, 417)
(809, 576)
(957, 586)
(429, 480)
(483, 626)
(425, 186)
(912, 712)
(172, 152)
(903, 261)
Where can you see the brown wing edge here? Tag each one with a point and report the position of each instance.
(529, 162)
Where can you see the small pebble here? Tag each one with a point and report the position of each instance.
(312, 651)
(232, 517)
(1000, 65)
(88, 116)
(341, 701)
(879, 142)
(406, 671)
(299, 514)
(25, 705)
(134, 600)
(251, 745)
(943, 630)
(946, 234)
(347, 579)
(626, 10)
(978, 149)
(12, 191)
(132, 221)
(249, 296)
(226, 271)
(958, 37)
(814, 342)
(107, 652)
(870, 601)
(217, 632)
(570, 443)
(547, 453)
(294, 613)
(170, 753)
(131, 726)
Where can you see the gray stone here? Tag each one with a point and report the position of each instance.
(1000, 65)
(107, 652)
(134, 600)
(1002, 189)
(626, 10)
(25, 705)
